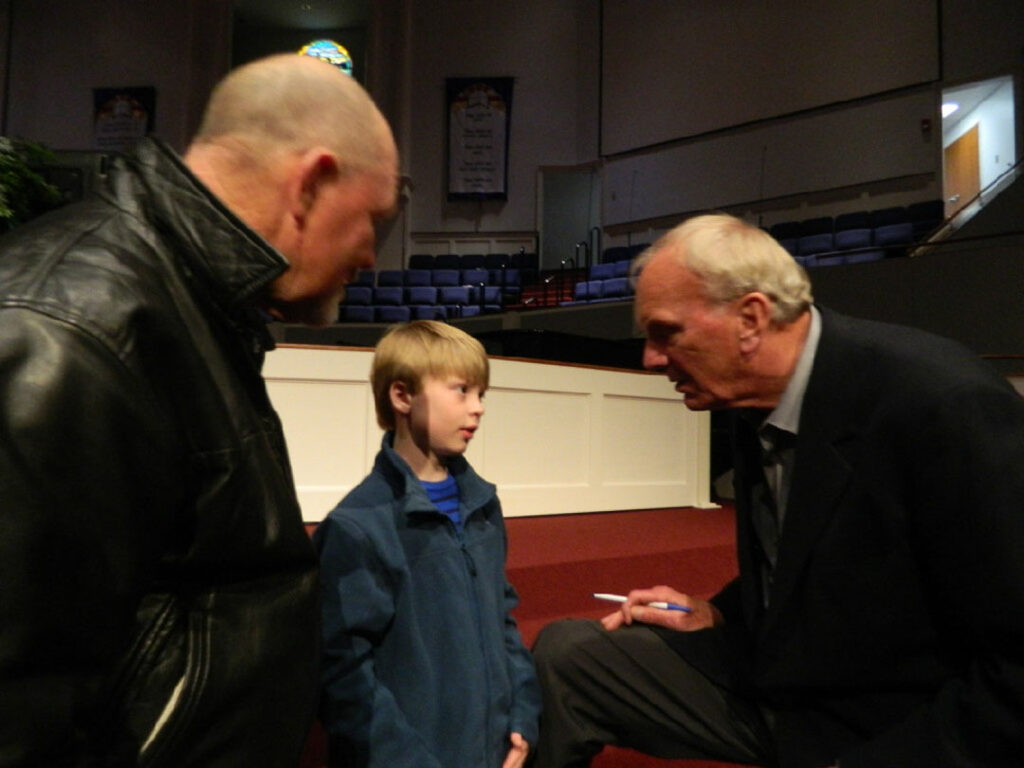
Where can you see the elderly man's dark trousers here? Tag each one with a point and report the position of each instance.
(628, 688)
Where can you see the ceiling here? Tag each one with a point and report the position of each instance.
(305, 14)
(969, 97)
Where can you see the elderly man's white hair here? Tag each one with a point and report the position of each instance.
(733, 258)
(291, 103)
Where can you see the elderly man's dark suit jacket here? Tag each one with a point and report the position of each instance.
(895, 631)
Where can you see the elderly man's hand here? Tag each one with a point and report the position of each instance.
(703, 614)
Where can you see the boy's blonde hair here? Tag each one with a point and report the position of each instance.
(412, 351)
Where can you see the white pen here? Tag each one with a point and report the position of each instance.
(656, 604)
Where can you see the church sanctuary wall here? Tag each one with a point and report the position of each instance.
(748, 102)
(555, 438)
(58, 52)
(786, 110)
(550, 49)
(683, 69)
(777, 159)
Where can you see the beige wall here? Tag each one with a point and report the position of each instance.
(60, 52)
(555, 439)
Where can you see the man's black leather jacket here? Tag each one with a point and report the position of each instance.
(157, 588)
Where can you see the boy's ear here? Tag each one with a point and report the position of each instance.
(401, 397)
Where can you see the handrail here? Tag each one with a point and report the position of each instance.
(586, 252)
(967, 211)
(561, 276)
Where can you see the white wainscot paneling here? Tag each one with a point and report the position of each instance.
(323, 398)
(556, 439)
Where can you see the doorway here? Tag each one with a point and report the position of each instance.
(978, 139)
(961, 173)
(569, 207)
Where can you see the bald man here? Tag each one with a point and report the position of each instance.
(158, 588)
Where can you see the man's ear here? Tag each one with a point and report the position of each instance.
(401, 397)
(754, 313)
(313, 170)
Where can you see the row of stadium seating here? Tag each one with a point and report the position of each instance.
(859, 235)
(509, 279)
(527, 263)
(395, 303)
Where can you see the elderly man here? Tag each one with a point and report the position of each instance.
(878, 617)
(159, 593)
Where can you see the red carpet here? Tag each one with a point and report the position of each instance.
(556, 562)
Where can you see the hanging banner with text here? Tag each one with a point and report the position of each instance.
(478, 128)
(122, 116)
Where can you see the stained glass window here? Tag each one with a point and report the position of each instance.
(331, 52)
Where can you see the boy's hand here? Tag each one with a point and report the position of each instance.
(516, 756)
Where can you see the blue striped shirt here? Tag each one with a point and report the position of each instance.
(445, 496)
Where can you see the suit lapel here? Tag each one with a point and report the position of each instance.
(821, 472)
(745, 468)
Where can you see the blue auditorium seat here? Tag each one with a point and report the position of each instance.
(457, 295)
(388, 294)
(603, 271)
(428, 312)
(852, 220)
(355, 313)
(422, 303)
(412, 277)
(365, 277)
(496, 261)
(490, 298)
(820, 242)
(889, 235)
(885, 216)
(825, 259)
(421, 261)
(586, 290)
(392, 314)
(507, 278)
(791, 244)
(785, 230)
(420, 294)
(358, 294)
(818, 225)
(474, 276)
(847, 239)
(389, 277)
(471, 261)
(447, 261)
(444, 277)
(615, 289)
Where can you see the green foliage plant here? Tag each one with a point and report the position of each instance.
(24, 193)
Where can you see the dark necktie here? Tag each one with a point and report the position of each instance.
(764, 514)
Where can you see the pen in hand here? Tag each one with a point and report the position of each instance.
(656, 604)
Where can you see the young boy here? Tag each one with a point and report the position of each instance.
(423, 663)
